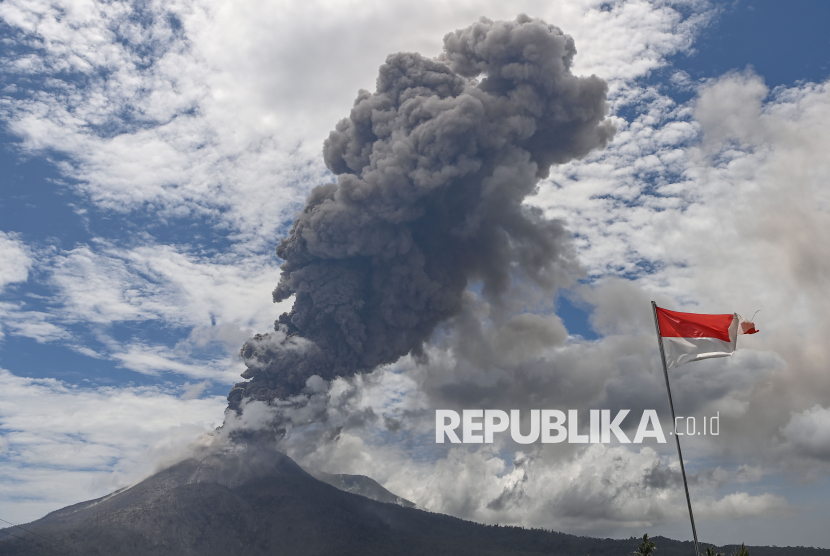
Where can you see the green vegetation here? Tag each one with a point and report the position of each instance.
(645, 548)
(710, 551)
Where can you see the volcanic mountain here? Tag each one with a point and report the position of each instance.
(257, 501)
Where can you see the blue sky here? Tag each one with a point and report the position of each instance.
(152, 158)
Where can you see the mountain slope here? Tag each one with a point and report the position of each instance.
(258, 502)
(362, 485)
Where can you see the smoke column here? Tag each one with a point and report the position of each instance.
(432, 169)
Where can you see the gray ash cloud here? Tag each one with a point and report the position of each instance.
(432, 171)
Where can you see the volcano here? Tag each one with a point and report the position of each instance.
(257, 501)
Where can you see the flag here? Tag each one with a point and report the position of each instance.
(690, 337)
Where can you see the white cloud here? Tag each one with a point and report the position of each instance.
(741, 504)
(144, 359)
(807, 434)
(65, 444)
(105, 284)
(216, 300)
(194, 391)
(30, 324)
(16, 260)
(730, 108)
(154, 360)
(718, 206)
(218, 116)
(598, 490)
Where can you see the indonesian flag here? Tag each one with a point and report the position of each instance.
(690, 337)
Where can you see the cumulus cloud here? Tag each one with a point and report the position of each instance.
(16, 260)
(598, 490)
(710, 207)
(64, 444)
(807, 434)
(729, 108)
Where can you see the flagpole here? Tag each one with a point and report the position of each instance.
(674, 421)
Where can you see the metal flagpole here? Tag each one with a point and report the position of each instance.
(674, 421)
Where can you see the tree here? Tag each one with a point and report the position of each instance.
(647, 547)
(741, 551)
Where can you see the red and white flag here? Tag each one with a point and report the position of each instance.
(691, 337)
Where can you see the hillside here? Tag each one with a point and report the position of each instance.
(258, 502)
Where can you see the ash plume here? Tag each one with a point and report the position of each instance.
(432, 171)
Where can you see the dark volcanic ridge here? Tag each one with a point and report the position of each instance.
(362, 485)
(257, 501)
